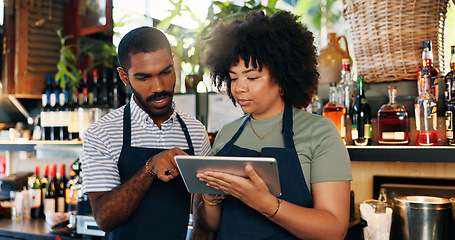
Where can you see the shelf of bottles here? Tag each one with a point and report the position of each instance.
(395, 135)
(68, 112)
(53, 192)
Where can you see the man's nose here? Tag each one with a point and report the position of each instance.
(157, 84)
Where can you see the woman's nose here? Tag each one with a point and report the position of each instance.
(240, 85)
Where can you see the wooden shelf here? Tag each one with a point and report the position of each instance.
(31, 146)
(402, 153)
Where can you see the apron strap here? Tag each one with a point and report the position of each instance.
(127, 125)
(187, 134)
(288, 125)
(237, 134)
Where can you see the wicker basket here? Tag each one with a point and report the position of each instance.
(387, 36)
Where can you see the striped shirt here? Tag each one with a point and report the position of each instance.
(103, 142)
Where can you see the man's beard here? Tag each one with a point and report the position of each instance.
(151, 112)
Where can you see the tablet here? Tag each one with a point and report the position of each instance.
(189, 166)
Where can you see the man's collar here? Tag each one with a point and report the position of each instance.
(140, 115)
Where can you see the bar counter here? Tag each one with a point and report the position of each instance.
(33, 229)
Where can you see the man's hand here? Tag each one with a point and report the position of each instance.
(163, 164)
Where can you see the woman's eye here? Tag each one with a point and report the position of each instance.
(252, 78)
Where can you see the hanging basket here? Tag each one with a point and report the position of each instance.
(387, 36)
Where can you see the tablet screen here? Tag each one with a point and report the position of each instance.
(189, 166)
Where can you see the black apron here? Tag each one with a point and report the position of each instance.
(164, 211)
(239, 221)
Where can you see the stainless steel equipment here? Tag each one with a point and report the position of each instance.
(86, 225)
(423, 217)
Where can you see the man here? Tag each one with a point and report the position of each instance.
(128, 162)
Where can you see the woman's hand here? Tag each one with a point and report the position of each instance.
(252, 190)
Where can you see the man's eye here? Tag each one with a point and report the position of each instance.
(142, 78)
(166, 72)
(233, 79)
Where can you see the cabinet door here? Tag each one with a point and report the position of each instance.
(33, 45)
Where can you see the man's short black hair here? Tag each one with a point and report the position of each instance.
(279, 42)
(143, 39)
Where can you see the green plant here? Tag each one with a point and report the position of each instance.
(319, 10)
(227, 11)
(67, 64)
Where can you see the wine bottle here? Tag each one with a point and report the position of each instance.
(393, 121)
(73, 127)
(95, 89)
(62, 114)
(83, 90)
(335, 111)
(61, 189)
(35, 194)
(426, 112)
(53, 117)
(45, 116)
(450, 99)
(114, 94)
(49, 200)
(44, 183)
(103, 99)
(361, 129)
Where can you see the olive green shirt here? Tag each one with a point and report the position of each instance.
(322, 154)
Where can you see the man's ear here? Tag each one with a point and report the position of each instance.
(123, 76)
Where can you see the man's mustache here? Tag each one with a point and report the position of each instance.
(158, 95)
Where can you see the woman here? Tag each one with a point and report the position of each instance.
(268, 65)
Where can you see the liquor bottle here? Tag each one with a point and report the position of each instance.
(382, 201)
(49, 200)
(427, 62)
(449, 77)
(335, 111)
(426, 112)
(71, 194)
(61, 189)
(95, 89)
(83, 90)
(361, 129)
(35, 194)
(347, 87)
(393, 121)
(450, 99)
(315, 106)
